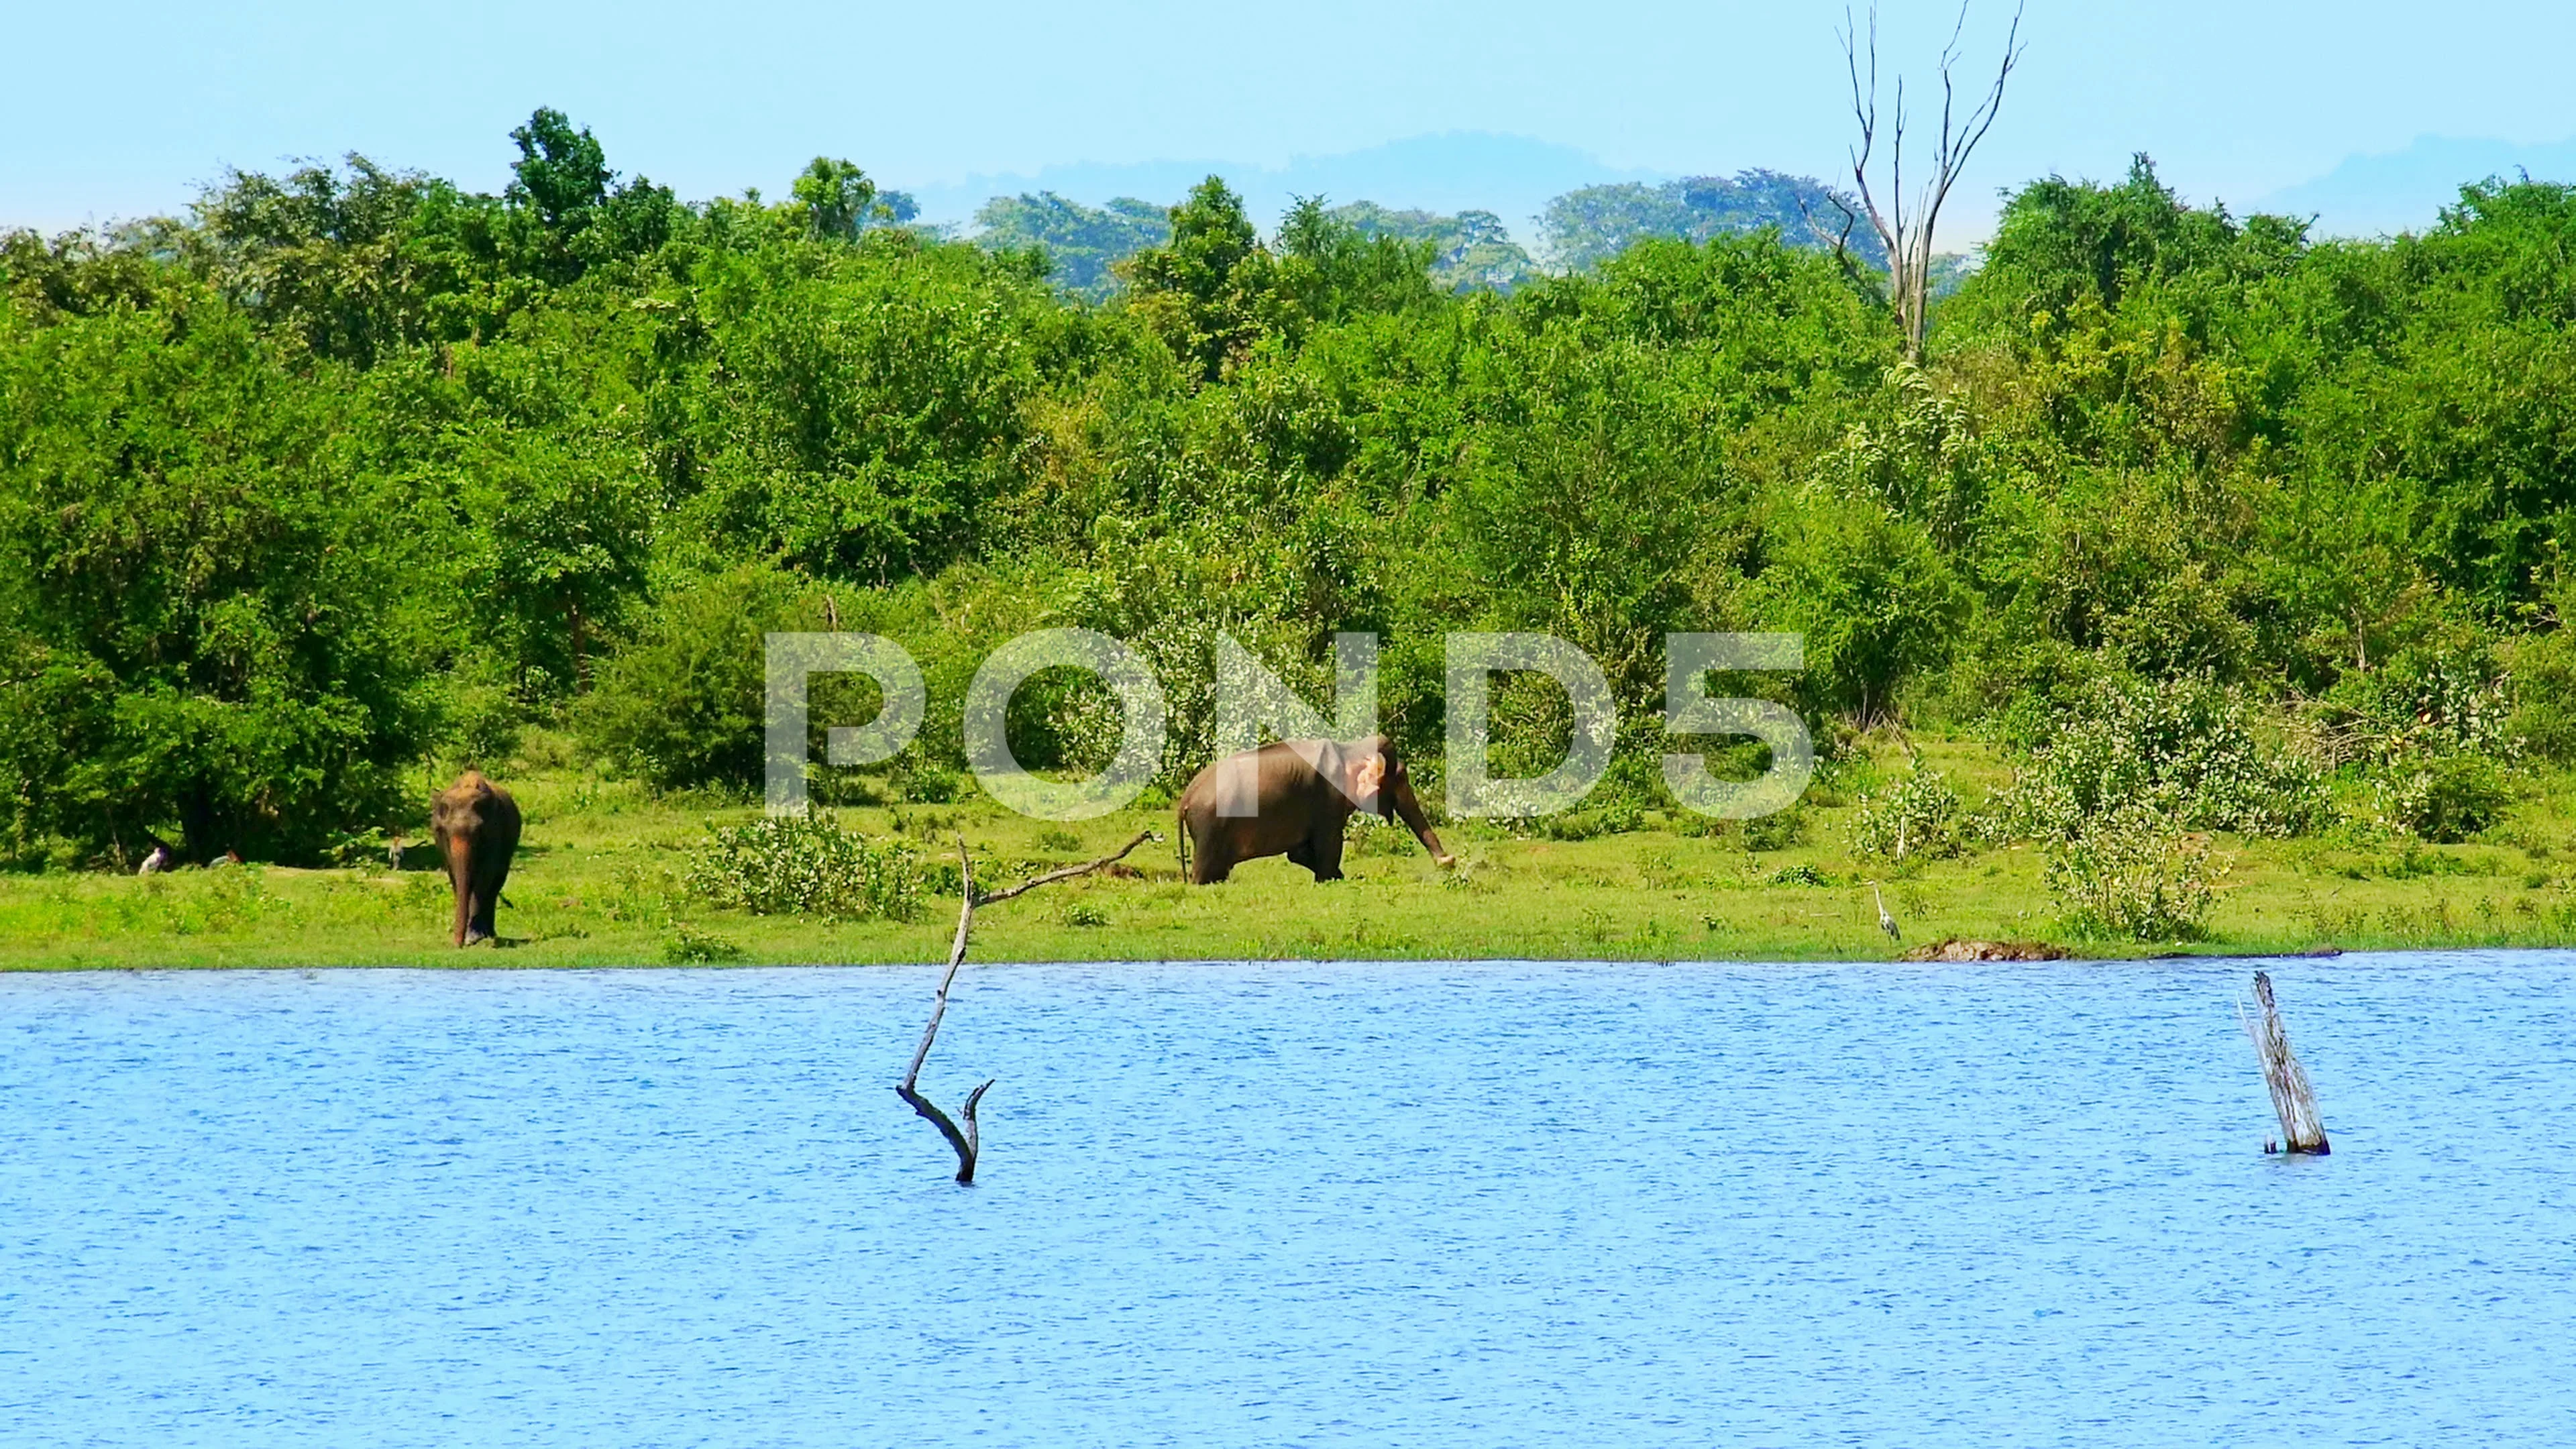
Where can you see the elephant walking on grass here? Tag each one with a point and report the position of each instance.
(1293, 798)
(477, 826)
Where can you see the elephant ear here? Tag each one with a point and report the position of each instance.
(1365, 773)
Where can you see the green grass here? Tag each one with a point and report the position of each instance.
(599, 882)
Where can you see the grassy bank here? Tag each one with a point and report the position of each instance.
(601, 881)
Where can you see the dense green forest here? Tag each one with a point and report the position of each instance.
(351, 469)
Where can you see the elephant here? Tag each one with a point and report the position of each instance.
(477, 827)
(1293, 798)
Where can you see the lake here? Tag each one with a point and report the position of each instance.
(1366, 1204)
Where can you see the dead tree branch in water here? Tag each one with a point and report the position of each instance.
(962, 1136)
(2303, 1128)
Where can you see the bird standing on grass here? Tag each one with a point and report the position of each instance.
(1886, 922)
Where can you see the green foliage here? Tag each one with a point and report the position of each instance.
(1589, 226)
(1208, 291)
(686, 945)
(1916, 817)
(680, 704)
(840, 201)
(1872, 593)
(1470, 251)
(2131, 876)
(2184, 751)
(569, 216)
(210, 629)
(1081, 244)
(2443, 799)
(1777, 831)
(2445, 699)
(351, 467)
(807, 866)
(1331, 270)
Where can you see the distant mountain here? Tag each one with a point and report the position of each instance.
(1513, 177)
(2406, 190)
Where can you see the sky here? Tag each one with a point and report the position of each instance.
(119, 111)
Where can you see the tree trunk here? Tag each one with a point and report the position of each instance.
(2303, 1130)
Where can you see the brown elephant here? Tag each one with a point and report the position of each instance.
(1293, 798)
(477, 827)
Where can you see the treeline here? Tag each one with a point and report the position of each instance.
(351, 469)
(1472, 250)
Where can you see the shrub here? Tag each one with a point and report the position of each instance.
(2544, 694)
(2131, 876)
(808, 865)
(1777, 831)
(2444, 800)
(2453, 700)
(1915, 817)
(680, 704)
(2184, 749)
(686, 945)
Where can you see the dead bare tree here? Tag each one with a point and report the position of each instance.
(2303, 1128)
(961, 1135)
(1906, 233)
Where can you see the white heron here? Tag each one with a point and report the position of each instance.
(1886, 922)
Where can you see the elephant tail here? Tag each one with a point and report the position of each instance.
(1181, 839)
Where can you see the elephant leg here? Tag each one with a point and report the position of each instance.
(487, 898)
(1303, 853)
(1324, 853)
(1211, 854)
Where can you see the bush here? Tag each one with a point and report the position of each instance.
(1776, 831)
(2184, 749)
(686, 945)
(680, 704)
(2131, 876)
(2443, 800)
(808, 865)
(2544, 695)
(2451, 700)
(1915, 817)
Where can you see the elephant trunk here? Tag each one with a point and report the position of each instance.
(460, 879)
(1410, 807)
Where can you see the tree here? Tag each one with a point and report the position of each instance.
(1470, 251)
(213, 629)
(1330, 270)
(1908, 236)
(561, 174)
(1588, 226)
(560, 183)
(1206, 291)
(838, 199)
(1082, 244)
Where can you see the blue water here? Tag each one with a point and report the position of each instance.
(1289, 1204)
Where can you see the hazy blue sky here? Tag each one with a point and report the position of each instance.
(115, 110)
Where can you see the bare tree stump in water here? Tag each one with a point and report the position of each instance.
(2293, 1100)
(962, 1136)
